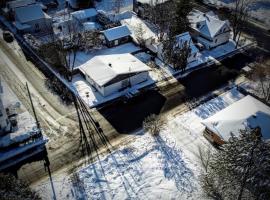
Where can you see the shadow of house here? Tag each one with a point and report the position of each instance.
(129, 116)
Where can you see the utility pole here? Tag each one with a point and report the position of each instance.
(33, 108)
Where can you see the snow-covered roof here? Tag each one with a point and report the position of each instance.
(84, 14)
(103, 69)
(185, 37)
(207, 24)
(247, 112)
(152, 2)
(116, 32)
(30, 13)
(19, 3)
(89, 26)
(134, 23)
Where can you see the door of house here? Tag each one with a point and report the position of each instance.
(116, 42)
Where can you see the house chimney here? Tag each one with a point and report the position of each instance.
(110, 64)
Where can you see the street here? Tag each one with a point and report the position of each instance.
(118, 119)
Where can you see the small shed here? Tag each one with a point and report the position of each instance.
(117, 35)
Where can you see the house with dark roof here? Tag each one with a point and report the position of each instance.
(208, 29)
(32, 18)
(117, 35)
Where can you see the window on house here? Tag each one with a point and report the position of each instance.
(216, 40)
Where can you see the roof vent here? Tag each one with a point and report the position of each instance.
(110, 64)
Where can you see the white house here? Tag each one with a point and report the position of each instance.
(113, 73)
(245, 113)
(31, 18)
(208, 29)
(181, 40)
(86, 15)
(117, 35)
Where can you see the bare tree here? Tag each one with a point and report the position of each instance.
(176, 53)
(117, 5)
(240, 170)
(239, 18)
(261, 75)
(153, 124)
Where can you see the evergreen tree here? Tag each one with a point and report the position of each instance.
(240, 170)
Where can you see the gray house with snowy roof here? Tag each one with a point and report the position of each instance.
(31, 18)
(208, 29)
(117, 35)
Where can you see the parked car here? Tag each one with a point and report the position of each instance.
(8, 37)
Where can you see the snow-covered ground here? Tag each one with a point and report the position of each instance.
(110, 7)
(163, 167)
(259, 10)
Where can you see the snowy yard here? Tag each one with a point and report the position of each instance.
(258, 10)
(109, 7)
(164, 167)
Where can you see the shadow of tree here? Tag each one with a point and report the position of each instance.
(174, 167)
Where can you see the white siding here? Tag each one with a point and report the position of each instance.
(138, 78)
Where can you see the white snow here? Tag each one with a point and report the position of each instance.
(84, 14)
(84, 89)
(109, 6)
(103, 69)
(247, 112)
(116, 33)
(83, 57)
(165, 167)
(258, 10)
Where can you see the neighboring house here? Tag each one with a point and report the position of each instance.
(117, 35)
(32, 19)
(245, 113)
(208, 29)
(142, 7)
(12, 5)
(86, 15)
(113, 73)
(182, 40)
